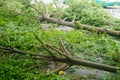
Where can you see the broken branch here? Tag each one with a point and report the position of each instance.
(62, 46)
(72, 24)
(73, 61)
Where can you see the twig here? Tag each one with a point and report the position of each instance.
(14, 50)
(62, 46)
(59, 16)
(40, 12)
(65, 18)
(5, 51)
(109, 22)
(1, 47)
(74, 19)
(40, 7)
(63, 67)
(60, 52)
(40, 40)
(46, 8)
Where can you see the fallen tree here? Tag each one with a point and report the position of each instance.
(59, 55)
(82, 26)
(6, 48)
(46, 16)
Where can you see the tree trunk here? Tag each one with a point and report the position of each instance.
(82, 26)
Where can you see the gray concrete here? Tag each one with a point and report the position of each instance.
(63, 28)
(115, 12)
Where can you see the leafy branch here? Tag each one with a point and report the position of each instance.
(73, 23)
(64, 56)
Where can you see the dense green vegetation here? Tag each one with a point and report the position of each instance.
(90, 13)
(18, 20)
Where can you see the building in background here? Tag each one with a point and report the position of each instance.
(106, 3)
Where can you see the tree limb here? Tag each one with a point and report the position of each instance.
(83, 26)
(72, 24)
(69, 59)
(62, 46)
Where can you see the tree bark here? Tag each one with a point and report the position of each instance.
(64, 57)
(68, 60)
(82, 26)
(46, 17)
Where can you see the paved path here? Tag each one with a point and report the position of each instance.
(114, 12)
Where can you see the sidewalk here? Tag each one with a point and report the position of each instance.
(115, 12)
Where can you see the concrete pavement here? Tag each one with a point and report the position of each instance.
(115, 12)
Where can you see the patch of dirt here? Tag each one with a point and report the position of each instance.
(63, 28)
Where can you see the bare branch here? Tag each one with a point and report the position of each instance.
(63, 67)
(46, 8)
(59, 16)
(5, 51)
(40, 12)
(39, 39)
(109, 22)
(47, 12)
(65, 18)
(60, 52)
(1, 47)
(39, 6)
(74, 19)
(44, 45)
(14, 50)
(62, 46)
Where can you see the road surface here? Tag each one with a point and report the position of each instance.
(115, 12)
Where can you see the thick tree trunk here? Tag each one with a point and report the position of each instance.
(72, 24)
(68, 60)
(82, 26)
(67, 57)
(88, 64)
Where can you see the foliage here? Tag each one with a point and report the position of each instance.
(17, 24)
(20, 15)
(14, 68)
(87, 13)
